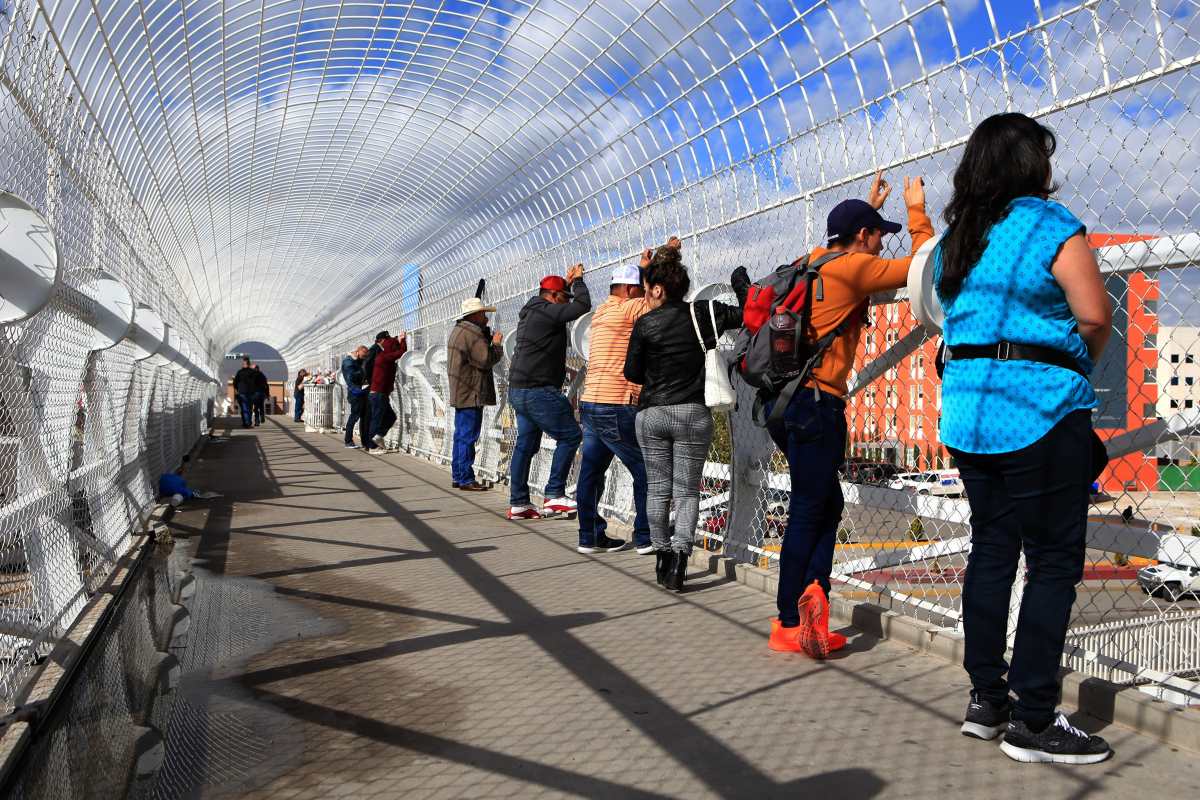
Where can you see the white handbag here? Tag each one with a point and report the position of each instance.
(718, 392)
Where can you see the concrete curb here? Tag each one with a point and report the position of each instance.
(1108, 702)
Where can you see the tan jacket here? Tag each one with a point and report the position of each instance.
(469, 366)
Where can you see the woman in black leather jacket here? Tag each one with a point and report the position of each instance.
(674, 426)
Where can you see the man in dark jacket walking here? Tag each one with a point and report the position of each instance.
(244, 383)
(357, 397)
(261, 390)
(383, 381)
(535, 380)
(472, 351)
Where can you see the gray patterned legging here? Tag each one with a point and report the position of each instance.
(674, 441)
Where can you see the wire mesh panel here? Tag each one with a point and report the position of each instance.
(88, 421)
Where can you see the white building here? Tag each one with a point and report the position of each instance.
(1178, 369)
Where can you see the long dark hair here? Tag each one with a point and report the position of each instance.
(1007, 156)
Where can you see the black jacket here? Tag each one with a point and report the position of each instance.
(368, 363)
(245, 382)
(541, 356)
(664, 355)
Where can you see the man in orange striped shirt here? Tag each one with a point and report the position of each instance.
(607, 410)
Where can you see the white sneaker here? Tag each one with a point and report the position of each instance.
(559, 505)
(646, 549)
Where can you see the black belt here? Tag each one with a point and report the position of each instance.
(1008, 351)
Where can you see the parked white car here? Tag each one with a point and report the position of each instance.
(1169, 580)
(943, 483)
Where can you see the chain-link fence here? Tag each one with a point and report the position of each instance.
(767, 115)
(104, 378)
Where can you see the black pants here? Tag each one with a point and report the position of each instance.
(1034, 499)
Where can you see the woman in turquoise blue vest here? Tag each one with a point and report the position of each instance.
(1027, 316)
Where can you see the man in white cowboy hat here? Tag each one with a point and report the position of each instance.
(473, 351)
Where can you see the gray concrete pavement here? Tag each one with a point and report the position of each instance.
(401, 639)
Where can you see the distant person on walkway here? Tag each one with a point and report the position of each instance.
(262, 390)
(472, 351)
(1026, 318)
(245, 383)
(812, 431)
(535, 382)
(357, 398)
(608, 410)
(298, 393)
(383, 382)
(674, 426)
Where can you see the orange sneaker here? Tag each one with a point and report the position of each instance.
(836, 641)
(814, 621)
(784, 640)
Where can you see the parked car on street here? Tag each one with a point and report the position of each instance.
(1169, 580)
(942, 483)
(870, 473)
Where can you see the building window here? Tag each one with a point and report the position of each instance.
(1150, 306)
(1149, 411)
(1150, 377)
(921, 367)
(939, 397)
(1151, 341)
(1189, 359)
(1174, 404)
(1174, 358)
(1189, 381)
(912, 397)
(1175, 381)
(1187, 403)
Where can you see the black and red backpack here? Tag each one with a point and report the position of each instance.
(778, 346)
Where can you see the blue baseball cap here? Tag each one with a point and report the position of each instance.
(850, 216)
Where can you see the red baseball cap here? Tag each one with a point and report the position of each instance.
(553, 283)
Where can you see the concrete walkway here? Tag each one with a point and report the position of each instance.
(361, 630)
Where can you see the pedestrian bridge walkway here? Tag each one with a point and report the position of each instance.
(368, 632)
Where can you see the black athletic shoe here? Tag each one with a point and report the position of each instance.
(1059, 743)
(984, 719)
(602, 544)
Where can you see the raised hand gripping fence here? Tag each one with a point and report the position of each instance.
(773, 113)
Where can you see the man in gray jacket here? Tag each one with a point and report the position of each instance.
(535, 380)
(472, 352)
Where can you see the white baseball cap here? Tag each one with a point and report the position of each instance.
(471, 305)
(626, 274)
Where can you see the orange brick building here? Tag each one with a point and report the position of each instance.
(895, 419)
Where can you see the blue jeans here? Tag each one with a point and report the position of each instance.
(468, 422)
(382, 415)
(299, 397)
(541, 410)
(360, 412)
(246, 406)
(812, 435)
(608, 430)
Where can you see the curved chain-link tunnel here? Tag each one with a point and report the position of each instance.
(307, 172)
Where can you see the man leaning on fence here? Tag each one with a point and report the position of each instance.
(607, 411)
(356, 398)
(472, 351)
(383, 382)
(811, 431)
(535, 381)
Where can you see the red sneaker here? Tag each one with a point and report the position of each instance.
(814, 621)
(523, 512)
(784, 640)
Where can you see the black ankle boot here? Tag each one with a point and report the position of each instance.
(662, 565)
(676, 570)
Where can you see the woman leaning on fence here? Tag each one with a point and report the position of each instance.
(674, 426)
(1026, 318)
